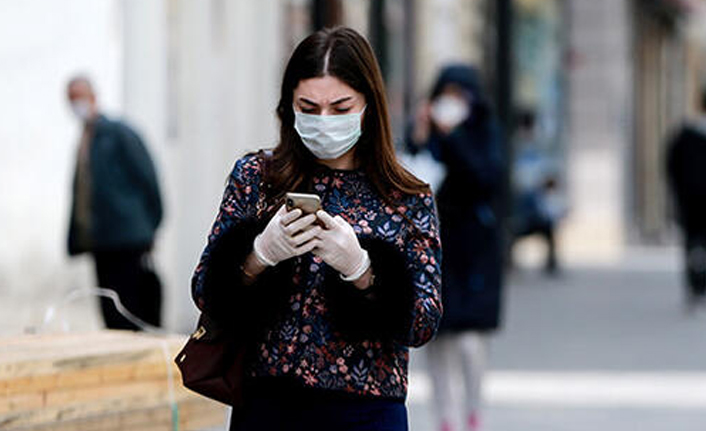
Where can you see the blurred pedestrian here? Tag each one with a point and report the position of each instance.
(538, 204)
(328, 302)
(116, 210)
(458, 127)
(686, 159)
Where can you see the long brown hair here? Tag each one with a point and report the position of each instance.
(344, 54)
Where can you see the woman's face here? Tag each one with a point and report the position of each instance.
(327, 95)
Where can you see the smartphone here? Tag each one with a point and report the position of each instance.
(308, 203)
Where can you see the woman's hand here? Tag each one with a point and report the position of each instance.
(287, 235)
(338, 246)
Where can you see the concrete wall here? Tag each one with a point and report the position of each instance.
(42, 43)
(447, 31)
(199, 79)
(217, 68)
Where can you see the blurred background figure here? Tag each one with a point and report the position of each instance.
(538, 206)
(458, 128)
(686, 161)
(116, 209)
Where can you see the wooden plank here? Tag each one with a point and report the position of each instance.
(60, 346)
(106, 381)
(82, 378)
(20, 403)
(194, 414)
(50, 356)
(66, 345)
(57, 405)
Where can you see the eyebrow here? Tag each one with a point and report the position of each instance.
(337, 102)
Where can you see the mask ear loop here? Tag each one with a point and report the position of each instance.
(362, 119)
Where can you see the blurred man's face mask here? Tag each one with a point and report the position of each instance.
(449, 111)
(81, 109)
(328, 136)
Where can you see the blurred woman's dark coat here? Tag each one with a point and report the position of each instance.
(470, 234)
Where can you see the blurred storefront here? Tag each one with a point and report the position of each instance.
(610, 79)
(667, 79)
(540, 78)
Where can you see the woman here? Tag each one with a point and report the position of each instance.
(458, 128)
(328, 302)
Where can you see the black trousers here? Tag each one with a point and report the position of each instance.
(281, 408)
(546, 231)
(130, 275)
(695, 259)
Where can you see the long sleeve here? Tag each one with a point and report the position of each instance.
(423, 252)
(404, 303)
(301, 320)
(142, 169)
(217, 286)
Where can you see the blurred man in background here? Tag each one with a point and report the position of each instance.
(116, 210)
(538, 206)
(686, 168)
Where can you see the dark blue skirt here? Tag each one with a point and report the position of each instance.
(278, 407)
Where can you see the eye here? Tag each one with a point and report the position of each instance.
(342, 110)
(308, 110)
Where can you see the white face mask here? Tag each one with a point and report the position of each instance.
(449, 111)
(81, 109)
(328, 136)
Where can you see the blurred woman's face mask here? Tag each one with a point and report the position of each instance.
(328, 136)
(449, 111)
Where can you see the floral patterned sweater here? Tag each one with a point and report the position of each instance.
(300, 319)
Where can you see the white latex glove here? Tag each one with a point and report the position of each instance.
(338, 246)
(287, 235)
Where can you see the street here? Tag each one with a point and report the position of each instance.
(601, 347)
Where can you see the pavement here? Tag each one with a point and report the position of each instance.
(604, 346)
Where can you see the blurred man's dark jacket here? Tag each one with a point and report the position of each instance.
(124, 206)
(686, 166)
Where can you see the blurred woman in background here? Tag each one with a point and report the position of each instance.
(458, 128)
